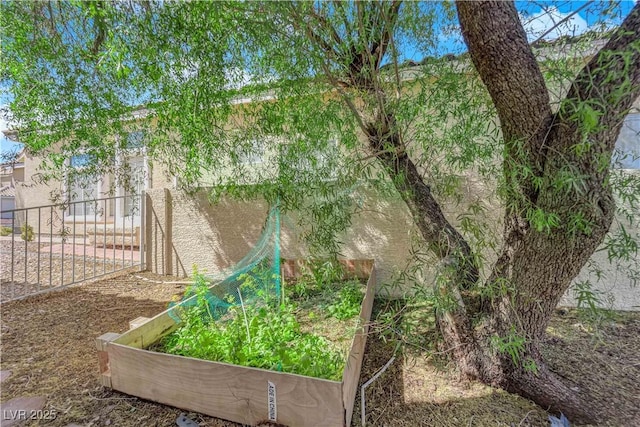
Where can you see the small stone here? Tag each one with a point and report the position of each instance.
(17, 409)
(4, 375)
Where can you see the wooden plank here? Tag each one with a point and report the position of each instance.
(103, 357)
(360, 268)
(137, 322)
(104, 339)
(351, 376)
(150, 331)
(231, 392)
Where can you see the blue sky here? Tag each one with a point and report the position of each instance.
(540, 16)
(537, 18)
(6, 146)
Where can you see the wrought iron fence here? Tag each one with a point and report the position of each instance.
(50, 247)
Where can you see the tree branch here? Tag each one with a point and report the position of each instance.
(441, 237)
(562, 21)
(609, 83)
(324, 23)
(501, 53)
(378, 123)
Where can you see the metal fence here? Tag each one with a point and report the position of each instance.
(50, 247)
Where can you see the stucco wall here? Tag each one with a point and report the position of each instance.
(216, 236)
(31, 193)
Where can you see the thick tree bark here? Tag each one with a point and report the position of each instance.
(535, 267)
(538, 266)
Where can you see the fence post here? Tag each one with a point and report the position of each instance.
(168, 226)
(147, 242)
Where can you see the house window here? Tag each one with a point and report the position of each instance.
(316, 160)
(134, 187)
(131, 161)
(81, 187)
(627, 155)
(80, 161)
(132, 144)
(135, 140)
(254, 153)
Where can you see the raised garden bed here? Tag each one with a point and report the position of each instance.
(237, 393)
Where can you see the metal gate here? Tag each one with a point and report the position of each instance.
(50, 247)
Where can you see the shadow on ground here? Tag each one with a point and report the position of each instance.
(48, 344)
(422, 389)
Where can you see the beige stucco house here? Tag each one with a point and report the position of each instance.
(11, 174)
(188, 230)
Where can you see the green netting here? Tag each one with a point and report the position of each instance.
(256, 276)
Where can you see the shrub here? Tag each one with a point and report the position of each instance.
(5, 231)
(26, 233)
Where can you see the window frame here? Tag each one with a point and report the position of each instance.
(625, 157)
(125, 155)
(68, 186)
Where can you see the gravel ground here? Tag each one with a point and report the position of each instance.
(55, 270)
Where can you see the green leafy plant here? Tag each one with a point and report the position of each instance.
(316, 278)
(511, 344)
(586, 297)
(591, 304)
(5, 231)
(26, 233)
(258, 335)
(349, 301)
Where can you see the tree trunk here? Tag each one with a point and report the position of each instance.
(539, 269)
(536, 266)
(497, 341)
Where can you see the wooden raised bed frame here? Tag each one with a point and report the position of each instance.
(235, 393)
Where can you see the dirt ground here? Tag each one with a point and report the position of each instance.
(48, 344)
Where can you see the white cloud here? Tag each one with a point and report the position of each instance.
(539, 23)
(4, 125)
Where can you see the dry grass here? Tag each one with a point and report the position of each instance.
(48, 344)
(314, 319)
(421, 388)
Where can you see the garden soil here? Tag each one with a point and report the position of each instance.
(48, 344)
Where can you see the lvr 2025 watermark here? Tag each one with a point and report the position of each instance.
(25, 414)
